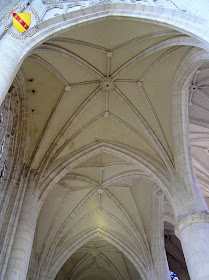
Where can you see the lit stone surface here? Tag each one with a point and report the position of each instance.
(21, 249)
(193, 232)
(99, 117)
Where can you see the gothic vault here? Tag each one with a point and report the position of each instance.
(104, 142)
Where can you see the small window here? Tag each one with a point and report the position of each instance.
(1, 120)
(173, 275)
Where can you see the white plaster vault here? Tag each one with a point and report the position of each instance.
(104, 136)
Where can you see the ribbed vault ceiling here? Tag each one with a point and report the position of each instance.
(104, 64)
(107, 85)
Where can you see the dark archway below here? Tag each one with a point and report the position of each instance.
(98, 259)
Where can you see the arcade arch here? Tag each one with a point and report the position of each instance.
(101, 109)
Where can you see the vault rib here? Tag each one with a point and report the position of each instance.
(116, 118)
(70, 55)
(83, 259)
(61, 206)
(143, 38)
(157, 61)
(80, 109)
(203, 181)
(195, 78)
(125, 227)
(201, 164)
(118, 186)
(80, 177)
(180, 40)
(199, 132)
(199, 123)
(74, 189)
(204, 86)
(202, 82)
(203, 94)
(66, 222)
(64, 237)
(125, 213)
(76, 275)
(107, 102)
(75, 225)
(126, 266)
(80, 84)
(201, 174)
(106, 272)
(79, 42)
(140, 221)
(149, 130)
(42, 61)
(87, 165)
(200, 107)
(108, 261)
(121, 175)
(142, 89)
(200, 139)
(109, 62)
(60, 149)
(131, 81)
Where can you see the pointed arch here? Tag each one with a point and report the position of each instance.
(109, 236)
(20, 49)
(138, 158)
(186, 178)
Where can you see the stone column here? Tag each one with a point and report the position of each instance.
(157, 235)
(193, 232)
(22, 245)
(11, 59)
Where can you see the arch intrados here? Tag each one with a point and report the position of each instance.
(83, 178)
(159, 175)
(80, 178)
(192, 61)
(123, 151)
(179, 21)
(114, 240)
(75, 19)
(165, 44)
(131, 172)
(182, 153)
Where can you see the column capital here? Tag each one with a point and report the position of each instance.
(190, 219)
